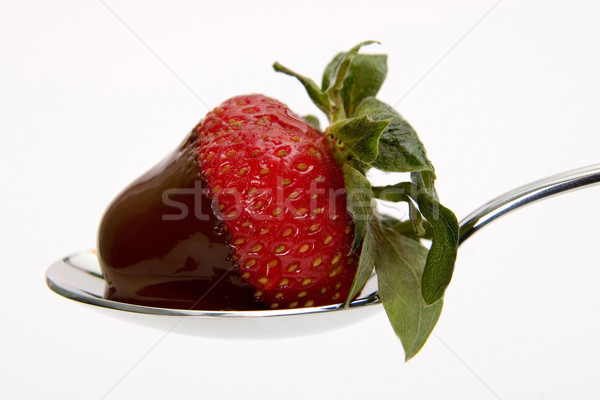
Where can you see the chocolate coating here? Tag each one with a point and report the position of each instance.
(160, 244)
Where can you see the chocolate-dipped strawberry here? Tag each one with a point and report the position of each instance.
(258, 209)
(250, 212)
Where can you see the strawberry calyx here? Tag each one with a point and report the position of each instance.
(364, 134)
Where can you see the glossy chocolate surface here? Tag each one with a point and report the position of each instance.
(160, 244)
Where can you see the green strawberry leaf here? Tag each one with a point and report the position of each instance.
(400, 149)
(359, 136)
(337, 69)
(331, 71)
(406, 228)
(317, 96)
(359, 201)
(366, 263)
(426, 180)
(416, 227)
(338, 72)
(399, 263)
(328, 99)
(442, 254)
(416, 219)
(364, 79)
(312, 121)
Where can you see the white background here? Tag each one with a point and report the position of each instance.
(501, 94)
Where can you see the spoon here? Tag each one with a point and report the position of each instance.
(78, 278)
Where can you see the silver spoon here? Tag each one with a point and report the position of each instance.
(78, 278)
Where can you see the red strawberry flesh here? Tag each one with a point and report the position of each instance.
(282, 198)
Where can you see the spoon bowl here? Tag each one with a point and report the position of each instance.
(78, 277)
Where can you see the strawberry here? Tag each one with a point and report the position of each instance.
(257, 209)
(281, 195)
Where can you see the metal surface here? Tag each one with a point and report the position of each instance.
(528, 194)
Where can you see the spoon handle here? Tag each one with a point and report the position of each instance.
(527, 194)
